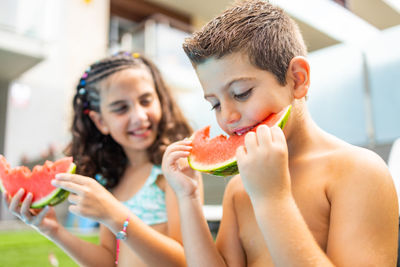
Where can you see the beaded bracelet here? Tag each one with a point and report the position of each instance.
(121, 235)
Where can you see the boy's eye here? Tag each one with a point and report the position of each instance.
(243, 96)
(215, 106)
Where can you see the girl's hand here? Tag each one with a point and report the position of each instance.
(88, 198)
(263, 163)
(183, 179)
(43, 220)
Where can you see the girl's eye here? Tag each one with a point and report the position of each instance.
(145, 102)
(245, 95)
(120, 109)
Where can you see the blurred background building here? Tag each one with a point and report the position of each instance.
(45, 45)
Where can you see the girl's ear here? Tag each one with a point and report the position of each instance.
(98, 121)
(299, 71)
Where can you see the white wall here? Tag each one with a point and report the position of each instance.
(78, 35)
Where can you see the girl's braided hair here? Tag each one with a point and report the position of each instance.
(95, 153)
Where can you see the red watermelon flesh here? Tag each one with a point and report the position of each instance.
(36, 181)
(217, 155)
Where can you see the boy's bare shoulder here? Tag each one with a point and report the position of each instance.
(352, 165)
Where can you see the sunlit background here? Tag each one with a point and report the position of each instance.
(45, 45)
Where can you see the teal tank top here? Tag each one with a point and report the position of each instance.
(149, 202)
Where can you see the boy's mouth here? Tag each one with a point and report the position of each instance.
(242, 131)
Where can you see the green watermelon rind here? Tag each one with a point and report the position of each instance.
(229, 167)
(57, 196)
(2, 189)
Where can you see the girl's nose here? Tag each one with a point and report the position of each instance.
(139, 114)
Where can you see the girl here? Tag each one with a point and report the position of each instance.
(124, 119)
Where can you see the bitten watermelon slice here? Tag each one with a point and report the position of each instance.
(216, 156)
(36, 181)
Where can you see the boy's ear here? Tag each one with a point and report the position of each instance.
(299, 72)
(98, 121)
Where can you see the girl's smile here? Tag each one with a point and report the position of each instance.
(142, 132)
(130, 109)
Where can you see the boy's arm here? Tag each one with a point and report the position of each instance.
(263, 165)
(364, 214)
(287, 236)
(198, 243)
(228, 242)
(364, 210)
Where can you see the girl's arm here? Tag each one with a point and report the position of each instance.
(198, 243)
(93, 201)
(45, 222)
(86, 253)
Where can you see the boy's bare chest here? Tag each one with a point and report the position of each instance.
(308, 189)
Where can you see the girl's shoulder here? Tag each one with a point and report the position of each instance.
(156, 177)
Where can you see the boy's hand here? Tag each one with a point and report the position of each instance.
(183, 179)
(88, 198)
(263, 163)
(43, 220)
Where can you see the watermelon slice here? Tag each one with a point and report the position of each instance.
(216, 156)
(37, 181)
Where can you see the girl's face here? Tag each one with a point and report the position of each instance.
(241, 94)
(130, 109)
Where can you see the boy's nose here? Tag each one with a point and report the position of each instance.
(231, 116)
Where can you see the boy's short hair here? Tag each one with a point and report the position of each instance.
(256, 27)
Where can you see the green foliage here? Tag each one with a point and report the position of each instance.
(30, 249)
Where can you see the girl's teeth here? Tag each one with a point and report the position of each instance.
(140, 132)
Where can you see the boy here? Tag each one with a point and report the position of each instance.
(303, 197)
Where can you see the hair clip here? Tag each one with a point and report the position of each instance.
(82, 91)
(86, 111)
(85, 75)
(82, 83)
(99, 178)
(135, 55)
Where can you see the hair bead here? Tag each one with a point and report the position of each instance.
(82, 91)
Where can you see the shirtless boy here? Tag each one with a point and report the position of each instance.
(303, 197)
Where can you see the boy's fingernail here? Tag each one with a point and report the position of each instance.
(53, 182)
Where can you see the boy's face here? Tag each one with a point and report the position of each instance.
(241, 94)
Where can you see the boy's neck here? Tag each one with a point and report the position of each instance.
(305, 136)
